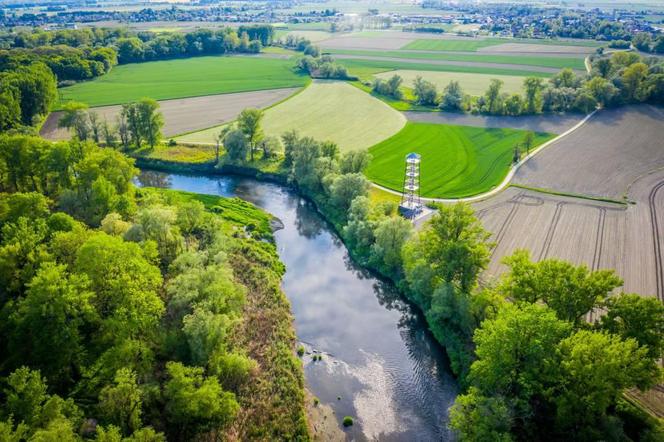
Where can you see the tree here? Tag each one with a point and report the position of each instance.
(595, 369)
(601, 90)
(196, 403)
(53, 314)
(24, 395)
(150, 120)
(604, 66)
(528, 140)
(635, 317)
(391, 234)
(219, 140)
(481, 418)
(354, 161)
(492, 96)
(95, 125)
(533, 94)
(585, 102)
(249, 122)
(289, 138)
(236, 146)
(37, 88)
(453, 245)
(345, 188)
(570, 291)
(642, 41)
(130, 50)
(565, 78)
(517, 359)
(632, 78)
(126, 286)
(10, 107)
(425, 92)
(120, 402)
(514, 105)
(452, 97)
(75, 116)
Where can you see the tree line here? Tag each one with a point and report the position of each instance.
(622, 78)
(121, 308)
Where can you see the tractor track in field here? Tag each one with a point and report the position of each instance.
(507, 222)
(599, 238)
(659, 275)
(551, 230)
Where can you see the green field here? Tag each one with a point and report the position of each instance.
(539, 61)
(366, 69)
(185, 78)
(475, 44)
(457, 161)
(327, 110)
(473, 84)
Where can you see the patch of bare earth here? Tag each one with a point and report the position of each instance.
(185, 114)
(555, 124)
(604, 156)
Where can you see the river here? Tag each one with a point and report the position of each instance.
(380, 364)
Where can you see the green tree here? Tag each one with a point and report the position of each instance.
(601, 90)
(75, 117)
(572, 292)
(425, 92)
(595, 369)
(24, 395)
(452, 97)
(120, 402)
(196, 403)
(150, 120)
(533, 94)
(10, 107)
(354, 161)
(236, 146)
(632, 79)
(642, 41)
(53, 314)
(528, 141)
(249, 122)
(345, 188)
(479, 418)
(492, 96)
(633, 316)
(126, 287)
(390, 234)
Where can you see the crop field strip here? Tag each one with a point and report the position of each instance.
(326, 110)
(185, 114)
(532, 60)
(457, 161)
(473, 84)
(182, 78)
(556, 124)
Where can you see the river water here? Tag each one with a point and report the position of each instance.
(380, 364)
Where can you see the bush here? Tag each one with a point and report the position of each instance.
(348, 421)
(300, 350)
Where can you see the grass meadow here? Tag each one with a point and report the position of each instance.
(475, 44)
(326, 110)
(188, 77)
(457, 161)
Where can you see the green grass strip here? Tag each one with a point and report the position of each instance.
(570, 194)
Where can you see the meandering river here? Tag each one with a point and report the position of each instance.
(380, 364)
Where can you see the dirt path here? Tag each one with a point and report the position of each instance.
(185, 114)
(556, 124)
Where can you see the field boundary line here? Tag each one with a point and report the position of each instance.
(570, 195)
(508, 177)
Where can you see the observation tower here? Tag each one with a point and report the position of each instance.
(411, 205)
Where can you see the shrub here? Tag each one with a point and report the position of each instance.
(348, 421)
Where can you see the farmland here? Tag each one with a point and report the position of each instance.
(515, 60)
(457, 161)
(473, 44)
(163, 80)
(327, 110)
(473, 84)
(185, 114)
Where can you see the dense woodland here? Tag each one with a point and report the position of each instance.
(156, 302)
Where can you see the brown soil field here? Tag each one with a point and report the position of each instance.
(599, 235)
(479, 64)
(186, 114)
(540, 50)
(603, 157)
(555, 124)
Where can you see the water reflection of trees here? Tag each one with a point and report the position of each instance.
(307, 221)
(150, 178)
